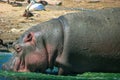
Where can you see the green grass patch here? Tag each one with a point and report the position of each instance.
(40, 76)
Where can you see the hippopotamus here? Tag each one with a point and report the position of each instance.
(86, 41)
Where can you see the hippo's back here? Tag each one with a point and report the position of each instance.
(92, 40)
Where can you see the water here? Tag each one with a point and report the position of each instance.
(4, 57)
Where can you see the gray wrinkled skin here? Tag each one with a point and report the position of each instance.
(87, 41)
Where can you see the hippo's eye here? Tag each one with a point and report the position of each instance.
(18, 48)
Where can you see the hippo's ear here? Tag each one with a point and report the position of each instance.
(29, 37)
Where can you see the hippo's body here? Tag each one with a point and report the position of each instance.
(75, 43)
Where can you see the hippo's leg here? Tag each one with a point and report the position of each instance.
(64, 66)
(61, 71)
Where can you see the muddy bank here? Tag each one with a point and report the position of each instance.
(12, 24)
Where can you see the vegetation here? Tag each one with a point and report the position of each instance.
(39, 76)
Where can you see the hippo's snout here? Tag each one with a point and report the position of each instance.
(5, 67)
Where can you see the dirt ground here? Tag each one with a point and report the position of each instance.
(12, 24)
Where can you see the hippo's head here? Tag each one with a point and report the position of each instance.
(38, 48)
(30, 52)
